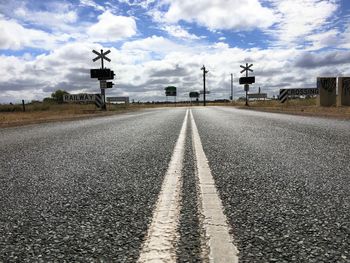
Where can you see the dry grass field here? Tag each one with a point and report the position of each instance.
(12, 115)
(306, 107)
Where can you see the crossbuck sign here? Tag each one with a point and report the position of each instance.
(101, 55)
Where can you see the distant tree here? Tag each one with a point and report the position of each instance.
(49, 100)
(58, 95)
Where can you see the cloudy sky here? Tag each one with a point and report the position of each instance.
(47, 45)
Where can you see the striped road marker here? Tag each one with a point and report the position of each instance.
(98, 100)
(283, 95)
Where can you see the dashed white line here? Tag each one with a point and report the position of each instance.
(160, 243)
(218, 240)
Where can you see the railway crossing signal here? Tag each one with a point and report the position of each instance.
(246, 80)
(102, 74)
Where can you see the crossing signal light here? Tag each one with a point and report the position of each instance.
(102, 74)
(110, 85)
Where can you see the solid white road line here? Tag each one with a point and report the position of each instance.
(218, 240)
(160, 244)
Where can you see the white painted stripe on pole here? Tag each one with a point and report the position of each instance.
(219, 242)
(160, 243)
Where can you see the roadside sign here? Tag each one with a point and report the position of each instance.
(246, 87)
(79, 97)
(170, 91)
(118, 99)
(194, 94)
(257, 95)
(284, 93)
(206, 92)
(303, 92)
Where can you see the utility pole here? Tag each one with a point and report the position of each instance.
(204, 73)
(231, 87)
(247, 87)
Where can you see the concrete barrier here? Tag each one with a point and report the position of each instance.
(327, 91)
(343, 91)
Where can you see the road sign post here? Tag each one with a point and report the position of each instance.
(195, 95)
(171, 91)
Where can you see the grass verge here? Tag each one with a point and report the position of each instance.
(304, 107)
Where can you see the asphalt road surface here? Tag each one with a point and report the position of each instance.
(97, 190)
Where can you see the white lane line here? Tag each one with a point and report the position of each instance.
(160, 244)
(218, 240)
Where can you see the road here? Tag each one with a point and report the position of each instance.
(175, 184)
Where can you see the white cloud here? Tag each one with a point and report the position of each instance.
(142, 3)
(111, 28)
(179, 32)
(325, 39)
(14, 36)
(219, 14)
(62, 17)
(154, 44)
(344, 37)
(92, 3)
(299, 19)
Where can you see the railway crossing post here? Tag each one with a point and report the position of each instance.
(246, 80)
(103, 74)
